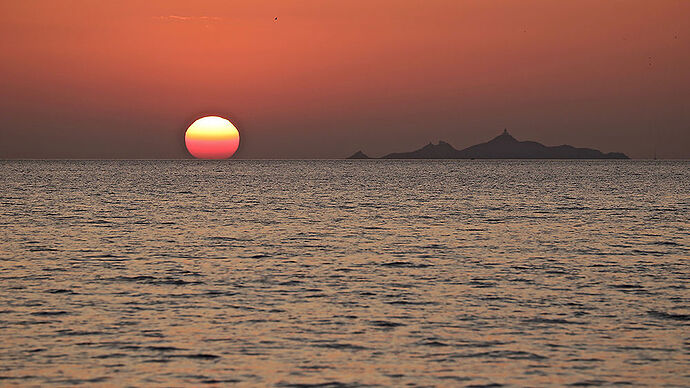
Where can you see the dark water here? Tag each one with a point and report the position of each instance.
(345, 273)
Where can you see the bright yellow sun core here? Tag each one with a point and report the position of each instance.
(212, 137)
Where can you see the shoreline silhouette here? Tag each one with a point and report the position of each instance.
(503, 146)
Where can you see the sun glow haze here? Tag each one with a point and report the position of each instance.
(212, 137)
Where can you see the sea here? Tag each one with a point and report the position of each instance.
(345, 273)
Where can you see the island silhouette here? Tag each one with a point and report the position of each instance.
(503, 146)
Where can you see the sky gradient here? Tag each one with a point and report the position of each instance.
(124, 79)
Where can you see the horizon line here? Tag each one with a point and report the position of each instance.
(297, 159)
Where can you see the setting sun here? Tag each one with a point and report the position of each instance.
(212, 137)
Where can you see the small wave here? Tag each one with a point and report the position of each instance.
(676, 317)
(627, 286)
(133, 278)
(42, 249)
(240, 307)
(407, 302)
(340, 346)
(60, 291)
(588, 383)
(80, 381)
(386, 324)
(164, 348)
(644, 252)
(223, 238)
(216, 293)
(432, 343)
(404, 264)
(49, 313)
(154, 280)
(315, 367)
(98, 222)
(454, 378)
(290, 283)
(110, 355)
(221, 381)
(482, 284)
(105, 257)
(521, 280)
(671, 243)
(509, 354)
(197, 356)
(177, 282)
(69, 332)
(30, 323)
(330, 384)
(555, 321)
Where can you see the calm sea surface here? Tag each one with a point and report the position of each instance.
(345, 273)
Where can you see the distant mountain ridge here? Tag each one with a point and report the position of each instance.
(359, 155)
(503, 146)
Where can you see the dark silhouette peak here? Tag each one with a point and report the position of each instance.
(442, 150)
(441, 144)
(504, 137)
(359, 155)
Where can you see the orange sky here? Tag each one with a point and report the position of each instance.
(123, 79)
